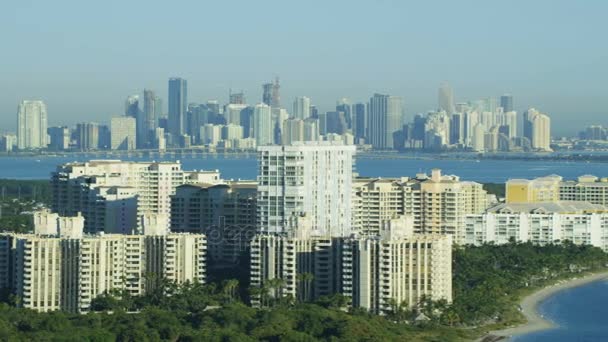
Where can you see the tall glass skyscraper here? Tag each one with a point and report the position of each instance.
(384, 120)
(506, 102)
(178, 104)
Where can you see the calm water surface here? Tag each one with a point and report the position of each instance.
(581, 314)
(245, 167)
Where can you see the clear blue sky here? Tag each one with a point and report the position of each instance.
(84, 57)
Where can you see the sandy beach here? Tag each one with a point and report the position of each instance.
(529, 308)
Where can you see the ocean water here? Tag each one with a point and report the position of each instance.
(233, 167)
(581, 314)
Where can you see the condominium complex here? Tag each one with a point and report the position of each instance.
(372, 271)
(112, 195)
(399, 267)
(544, 189)
(553, 188)
(60, 268)
(540, 223)
(312, 178)
(225, 213)
(438, 204)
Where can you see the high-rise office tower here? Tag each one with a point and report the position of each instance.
(232, 113)
(511, 122)
(87, 136)
(343, 105)
(178, 104)
(59, 138)
(312, 179)
(359, 114)
(293, 130)
(271, 95)
(123, 133)
(385, 118)
(446, 98)
(31, 125)
(335, 122)
(147, 121)
(236, 98)
(311, 129)
(132, 106)
(262, 125)
(457, 129)
(506, 102)
(301, 108)
(158, 109)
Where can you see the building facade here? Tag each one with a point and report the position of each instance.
(111, 191)
(31, 125)
(66, 270)
(312, 178)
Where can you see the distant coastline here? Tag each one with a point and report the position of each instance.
(529, 307)
(600, 156)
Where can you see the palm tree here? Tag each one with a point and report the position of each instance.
(230, 288)
(304, 290)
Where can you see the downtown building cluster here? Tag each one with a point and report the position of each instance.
(379, 123)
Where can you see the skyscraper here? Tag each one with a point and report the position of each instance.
(301, 108)
(31, 125)
(123, 133)
(237, 98)
(305, 179)
(506, 102)
(178, 104)
(87, 136)
(262, 125)
(148, 120)
(271, 95)
(541, 132)
(385, 118)
(446, 98)
(132, 106)
(59, 138)
(359, 120)
(343, 105)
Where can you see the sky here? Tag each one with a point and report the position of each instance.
(83, 58)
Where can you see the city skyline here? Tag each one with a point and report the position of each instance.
(91, 76)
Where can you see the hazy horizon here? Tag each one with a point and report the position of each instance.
(84, 59)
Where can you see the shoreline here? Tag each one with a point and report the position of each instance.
(529, 308)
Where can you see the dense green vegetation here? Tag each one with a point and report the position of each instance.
(17, 198)
(497, 189)
(488, 282)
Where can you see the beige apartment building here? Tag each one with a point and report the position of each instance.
(66, 269)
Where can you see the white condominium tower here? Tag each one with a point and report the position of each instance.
(31, 125)
(312, 179)
(262, 124)
(99, 188)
